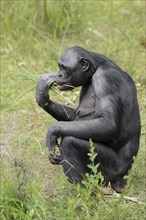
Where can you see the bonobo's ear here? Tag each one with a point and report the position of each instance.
(84, 63)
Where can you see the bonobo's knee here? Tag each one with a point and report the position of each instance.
(67, 144)
(75, 150)
(73, 164)
(66, 141)
(71, 145)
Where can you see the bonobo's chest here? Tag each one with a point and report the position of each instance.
(86, 106)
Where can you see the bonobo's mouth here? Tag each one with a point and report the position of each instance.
(65, 87)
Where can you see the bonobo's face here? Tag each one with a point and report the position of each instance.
(73, 71)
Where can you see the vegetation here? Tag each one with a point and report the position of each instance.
(33, 36)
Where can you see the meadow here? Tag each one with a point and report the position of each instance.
(34, 34)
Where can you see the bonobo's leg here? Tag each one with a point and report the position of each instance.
(74, 160)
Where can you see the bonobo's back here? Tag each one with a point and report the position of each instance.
(129, 111)
(130, 120)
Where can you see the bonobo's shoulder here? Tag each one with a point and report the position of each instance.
(99, 79)
(107, 76)
(111, 71)
(101, 72)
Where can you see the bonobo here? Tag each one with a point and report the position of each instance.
(107, 113)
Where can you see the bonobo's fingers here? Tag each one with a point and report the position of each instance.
(45, 81)
(43, 85)
(54, 158)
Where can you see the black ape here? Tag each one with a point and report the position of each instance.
(108, 114)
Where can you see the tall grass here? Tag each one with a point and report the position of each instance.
(50, 18)
(21, 193)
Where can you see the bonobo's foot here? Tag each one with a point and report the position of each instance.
(54, 158)
(119, 186)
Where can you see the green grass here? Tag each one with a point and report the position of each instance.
(33, 37)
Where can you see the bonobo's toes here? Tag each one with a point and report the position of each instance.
(119, 186)
(54, 159)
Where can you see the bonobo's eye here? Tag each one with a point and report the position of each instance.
(84, 63)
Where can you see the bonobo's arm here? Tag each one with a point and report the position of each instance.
(104, 128)
(58, 111)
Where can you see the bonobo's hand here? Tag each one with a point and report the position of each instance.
(43, 85)
(52, 135)
(52, 143)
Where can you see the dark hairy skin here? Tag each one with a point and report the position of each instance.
(107, 113)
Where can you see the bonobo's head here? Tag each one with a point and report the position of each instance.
(74, 69)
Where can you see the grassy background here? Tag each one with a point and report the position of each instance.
(34, 34)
